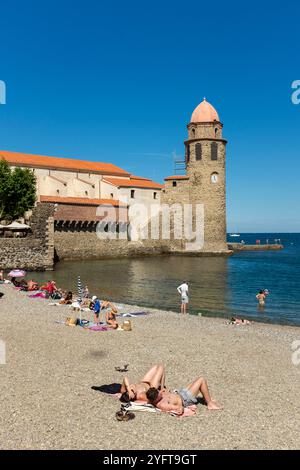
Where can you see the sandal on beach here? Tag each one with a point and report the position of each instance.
(124, 415)
(122, 369)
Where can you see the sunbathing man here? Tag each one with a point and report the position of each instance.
(176, 401)
(154, 378)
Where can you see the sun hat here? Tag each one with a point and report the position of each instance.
(94, 298)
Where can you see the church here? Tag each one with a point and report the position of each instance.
(76, 189)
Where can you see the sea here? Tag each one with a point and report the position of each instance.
(218, 286)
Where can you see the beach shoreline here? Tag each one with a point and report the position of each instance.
(50, 368)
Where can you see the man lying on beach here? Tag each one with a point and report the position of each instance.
(176, 401)
(154, 378)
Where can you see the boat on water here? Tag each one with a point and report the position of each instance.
(234, 235)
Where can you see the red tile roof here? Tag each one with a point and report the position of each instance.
(177, 177)
(69, 164)
(133, 177)
(133, 183)
(82, 201)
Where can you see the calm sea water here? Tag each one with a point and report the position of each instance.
(218, 286)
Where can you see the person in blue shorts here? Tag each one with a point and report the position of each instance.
(96, 309)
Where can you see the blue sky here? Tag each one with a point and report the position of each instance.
(118, 82)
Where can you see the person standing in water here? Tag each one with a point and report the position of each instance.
(183, 290)
(261, 297)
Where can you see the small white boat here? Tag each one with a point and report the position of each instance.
(235, 235)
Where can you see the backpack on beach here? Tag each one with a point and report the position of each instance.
(71, 321)
(126, 326)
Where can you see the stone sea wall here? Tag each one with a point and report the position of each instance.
(36, 250)
(86, 245)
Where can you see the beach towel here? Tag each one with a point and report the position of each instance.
(133, 406)
(38, 295)
(140, 406)
(134, 314)
(97, 328)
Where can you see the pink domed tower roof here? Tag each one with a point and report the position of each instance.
(205, 112)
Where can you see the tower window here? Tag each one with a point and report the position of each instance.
(193, 133)
(214, 151)
(154, 195)
(187, 153)
(132, 193)
(86, 193)
(214, 177)
(198, 150)
(174, 184)
(111, 195)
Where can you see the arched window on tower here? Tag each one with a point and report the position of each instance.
(214, 151)
(198, 151)
(187, 153)
(216, 132)
(193, 133)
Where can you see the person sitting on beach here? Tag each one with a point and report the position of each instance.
(68, 299)
(176, 401)
(32, 285)
(261, 297)
(21, 284)
(110, 315)
(155, 377)
(50, 288)
(86, 293)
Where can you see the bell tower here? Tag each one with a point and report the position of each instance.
(206, 170)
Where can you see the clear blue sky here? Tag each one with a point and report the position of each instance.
(118, 82)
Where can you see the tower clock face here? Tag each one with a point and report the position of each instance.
(214, 178)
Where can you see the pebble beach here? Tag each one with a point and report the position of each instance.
(48, 403)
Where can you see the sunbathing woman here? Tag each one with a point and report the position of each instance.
(155, 377)
(110, 315)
